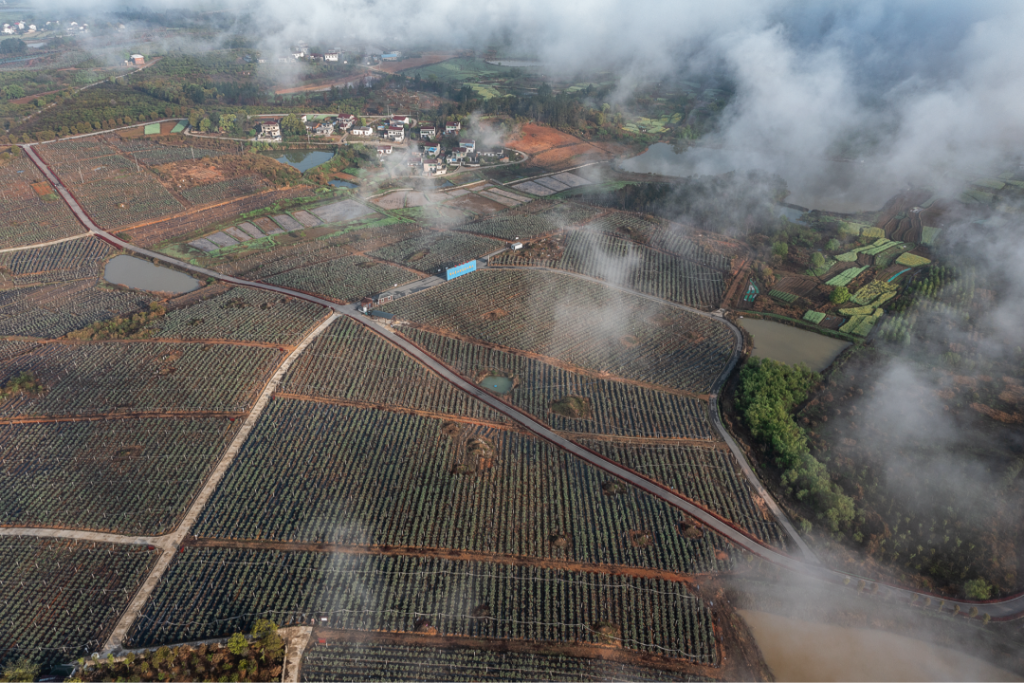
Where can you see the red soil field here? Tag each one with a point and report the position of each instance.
(402, 65)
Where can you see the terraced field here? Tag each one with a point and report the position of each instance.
(328, 474)
(68, 598)
(243, 314)
(343, 661)
(126, 476)
(120, 377)
(432, 251)
(614, 407)
(345, 279)
(447, 597)
(350, 363)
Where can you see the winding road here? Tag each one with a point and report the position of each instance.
(1001, 609)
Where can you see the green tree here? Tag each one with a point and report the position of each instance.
(23, 669)
(292, 125)
(237, 644)
(13, 46)
(768, 392)
(817, 260)
(780, 250)
(978, 589)
(840, 295)
(13, 92)
(204, 125)
(832, 246)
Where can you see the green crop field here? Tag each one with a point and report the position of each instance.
(460, 69)
(356, 661)
(116, 377)
(344, 279)
(64, 596)
(125, 476)
(211, 592)
(616, 408)
(311, 472)
(349, 362)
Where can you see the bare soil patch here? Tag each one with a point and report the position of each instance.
(534, 139)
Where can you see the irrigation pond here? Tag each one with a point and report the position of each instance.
(797, 650)
(792, 345)
(497, 384)
(302, 159)
(138, 274)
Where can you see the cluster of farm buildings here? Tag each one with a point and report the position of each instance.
(428, 156)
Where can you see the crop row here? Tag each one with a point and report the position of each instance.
(243, 314)
(431, 251)
(365, 661)
(210, 592)
(707, 475)
(126, 476)
(153, 154)
(9, 348)
(52, 311)
(27, 217)
(616, 408)
(329, 474)
(74, 260)
(139, 376)
(349, 362)
(527, 222)
(224, 190)
(644, 270)
(348, 278)
(62, 598)
(667, 237)
(579, 322)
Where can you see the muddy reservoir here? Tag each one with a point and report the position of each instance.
(797, 650)
(792, 345)
(138, 274)
(302, 160)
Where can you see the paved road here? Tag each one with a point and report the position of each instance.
(1004, 608)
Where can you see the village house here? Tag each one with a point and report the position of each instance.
(396, 133)
(428, 132)
(452, 128)
(384, 149)
(331, 57)
(391, 56)
(364, 131)
(269, 130)
(324, 127)
(468, 144)
(138, 60)
(431, 150)
(401, 120)
(346, 121)
(434, 168)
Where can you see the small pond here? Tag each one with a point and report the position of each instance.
(139, 274)
(792, 345)
(302, 159)
(343, 183)
(798, 650)
(499, 385)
